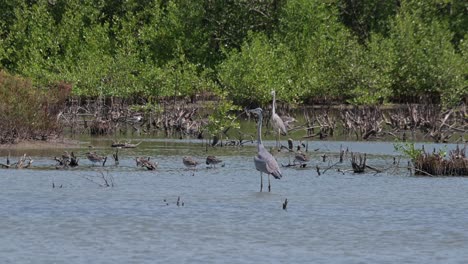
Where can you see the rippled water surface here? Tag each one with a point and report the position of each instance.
(338, 217)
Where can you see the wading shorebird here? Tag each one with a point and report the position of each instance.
(66, 157)
(212, 160)
(146, 163)
(264, 161)
(95, 158)
(302, 158)
(190, 162)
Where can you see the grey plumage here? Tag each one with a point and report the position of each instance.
(264, 161)
(276, 121)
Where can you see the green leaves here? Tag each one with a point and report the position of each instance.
(408, 150)
(361, 52)
(427, 63)
(223, 118)
(260, 67)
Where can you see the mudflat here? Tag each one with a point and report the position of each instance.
(39, 144)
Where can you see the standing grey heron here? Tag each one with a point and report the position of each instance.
(276, 121)
(264, 161)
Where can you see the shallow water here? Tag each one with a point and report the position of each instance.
(388, 217)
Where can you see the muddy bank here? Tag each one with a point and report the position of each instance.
(413, 122)
(36, 144)
(181, 118)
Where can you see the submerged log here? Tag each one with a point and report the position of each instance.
(125, 145)
(361, 166)
(23, 163)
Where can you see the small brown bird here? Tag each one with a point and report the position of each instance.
(95, 158)
(146, 163)
(212, 160)
(66, 157)
(190, 162)
(301, 158)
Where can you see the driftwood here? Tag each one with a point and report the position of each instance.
(23, 163)
(116, 157)
(124, 145)
(429, 119)
(358, 167)
(364, 122)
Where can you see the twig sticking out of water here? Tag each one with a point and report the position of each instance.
(358, 167)
(374, 169)
(23, 163)
(104, 162)
(285, 204)
(107, 179)
(318, 170)
(53, 185)
(116, 157)
(324, 157)
(179, 202)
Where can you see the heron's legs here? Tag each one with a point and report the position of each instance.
(278, 133)
(269, 185)
(261, 181)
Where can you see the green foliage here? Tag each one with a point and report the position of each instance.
(146, 108)
(366, 17)
(427, 63)
(374, 72)
(364, 52)
(411, 152)
(249, 75)
(408, 150)
(27, 112)
(223, 118)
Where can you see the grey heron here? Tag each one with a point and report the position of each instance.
(276, 121)
(264, 161)
(212, 160)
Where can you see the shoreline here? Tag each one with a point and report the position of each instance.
(33, 144)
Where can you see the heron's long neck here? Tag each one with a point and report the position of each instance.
(259, 130)
(274, 104)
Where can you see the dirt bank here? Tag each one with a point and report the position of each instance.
(33, 144)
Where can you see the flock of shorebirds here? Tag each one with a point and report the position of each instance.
(95, 158)
(264, 161)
